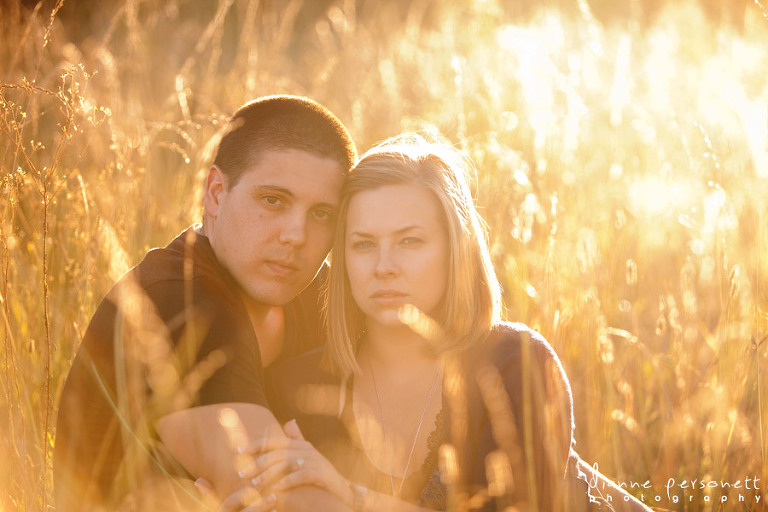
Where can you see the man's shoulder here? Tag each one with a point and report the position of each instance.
(304, 369)
(186, 269)
(308, 362)
(162, 294)
(304, 388)
(188, 257)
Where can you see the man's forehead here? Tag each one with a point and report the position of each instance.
(259, 155)
(297, 173)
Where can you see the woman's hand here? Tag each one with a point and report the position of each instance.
(246, 499)
(284, 463)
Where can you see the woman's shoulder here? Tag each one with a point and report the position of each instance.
(516, 339)
(515, 349)
(516, 330)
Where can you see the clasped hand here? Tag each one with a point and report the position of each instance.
(281, 464)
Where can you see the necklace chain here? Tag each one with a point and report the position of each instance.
(418, 428)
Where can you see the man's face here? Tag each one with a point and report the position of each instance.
(274, 227)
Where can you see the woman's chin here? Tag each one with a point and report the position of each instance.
(388, 319)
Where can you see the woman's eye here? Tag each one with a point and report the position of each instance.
(362, 244)
(411, 240)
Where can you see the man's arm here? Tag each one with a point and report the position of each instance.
(205, 440)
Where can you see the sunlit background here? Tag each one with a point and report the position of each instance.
(622, 154)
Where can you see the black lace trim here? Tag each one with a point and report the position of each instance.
(435, 494)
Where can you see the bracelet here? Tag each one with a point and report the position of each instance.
(358, 496)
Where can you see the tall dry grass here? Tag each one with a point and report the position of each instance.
(623, 171)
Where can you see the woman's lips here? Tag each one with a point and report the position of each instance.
(388, 297)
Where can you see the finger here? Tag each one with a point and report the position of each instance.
(244, 497)
(292, 459)
(265, 504)
(263, 462)
(207, 494)
(272, 474)
(268, 444)
(299, 478)
(293, 431)
(204, 486)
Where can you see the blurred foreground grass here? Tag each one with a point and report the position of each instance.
(623, 170)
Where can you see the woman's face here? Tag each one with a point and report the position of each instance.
(396, 249)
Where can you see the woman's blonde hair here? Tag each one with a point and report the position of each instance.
(472, 302)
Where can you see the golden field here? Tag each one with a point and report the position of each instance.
(622, 169)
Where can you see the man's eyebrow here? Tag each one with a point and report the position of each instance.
(273, 188)
(330, 206)
(288, 193)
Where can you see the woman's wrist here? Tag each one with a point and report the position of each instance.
(344, 490)
(357, 494)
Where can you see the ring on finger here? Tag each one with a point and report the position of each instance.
(299, 463)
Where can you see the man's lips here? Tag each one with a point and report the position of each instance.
(282, 268)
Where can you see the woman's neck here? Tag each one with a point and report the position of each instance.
(396, 399)
(396, 346)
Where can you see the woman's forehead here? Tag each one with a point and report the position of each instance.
(393, 208)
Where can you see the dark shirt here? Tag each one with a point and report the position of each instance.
(507, 413)
(173, 333)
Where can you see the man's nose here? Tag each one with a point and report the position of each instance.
(294, 231)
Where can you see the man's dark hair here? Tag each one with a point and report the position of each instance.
(278, 123)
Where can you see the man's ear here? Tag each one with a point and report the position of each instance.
(215, 190)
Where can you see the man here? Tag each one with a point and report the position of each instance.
(176, 351)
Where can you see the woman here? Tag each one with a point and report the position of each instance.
(423, 398)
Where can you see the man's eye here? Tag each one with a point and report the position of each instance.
(323, 215)
(272, 200)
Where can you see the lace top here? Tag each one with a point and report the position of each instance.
(515, 402)
(423, 486)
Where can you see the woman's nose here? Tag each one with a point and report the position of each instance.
(385, 264)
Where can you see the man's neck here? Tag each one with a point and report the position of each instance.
(268, 322)
(269, 325)
(271, 335)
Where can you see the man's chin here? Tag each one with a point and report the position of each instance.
(274, 297)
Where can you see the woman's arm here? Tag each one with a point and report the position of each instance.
(281, 465)
(525, 428)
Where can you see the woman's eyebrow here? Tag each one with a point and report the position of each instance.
(400, 231)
